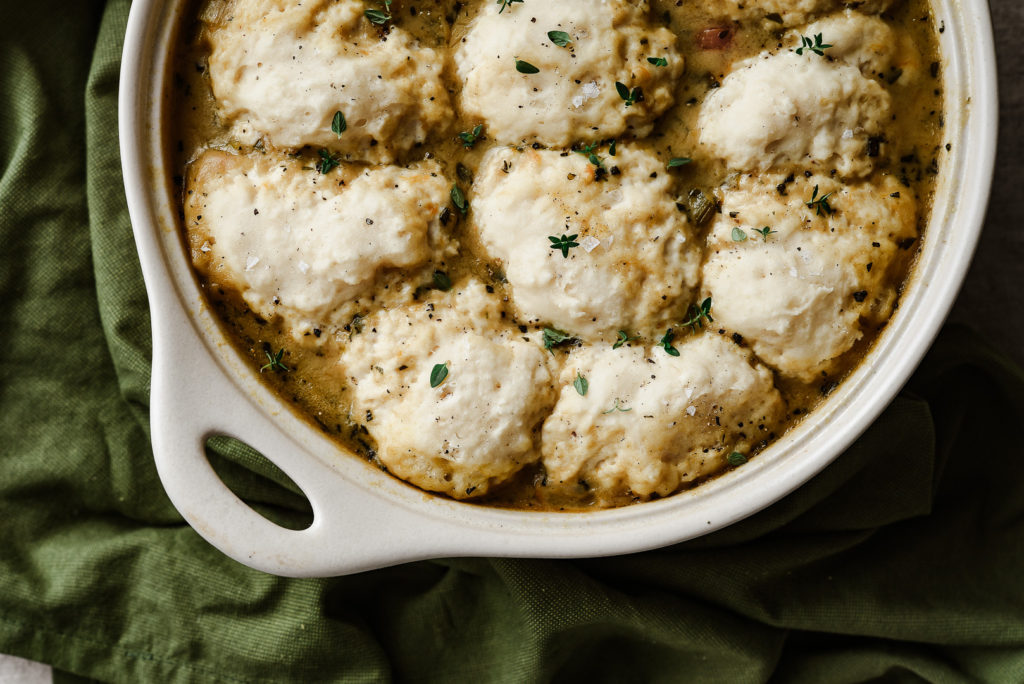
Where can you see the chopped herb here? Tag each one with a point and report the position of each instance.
(564, 243)
(355, 327)
(630, 97)
(327, 162)
(611, 149)
(438, 374)
(377, 17)
(820, 204)
(616, 407)
(338, 124)
(469, 138)
(624, 337)
(554, 337)
(459, 200)
(738, 235)
(560, 38)
(588, 151)
(666, 342)
(506, 3)
(698, 314)
(526, 68)
(700, 206)
(676, 162)
(274, 361)
(737, 459)
(658, 61)
(442, 281)
(765, 232)
(581, 384)
(815, 46)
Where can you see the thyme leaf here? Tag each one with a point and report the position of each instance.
(338, 123)
(559, 38)
(526, 68)
(581, 384)
(438, 374)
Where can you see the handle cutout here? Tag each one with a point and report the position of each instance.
(254, 479)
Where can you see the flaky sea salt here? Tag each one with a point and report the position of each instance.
(304, 267)
(250, 262)
(205, 247)
(591, 89)
(690, 410)
(589, 243)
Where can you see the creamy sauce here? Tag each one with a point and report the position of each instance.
(913, 141)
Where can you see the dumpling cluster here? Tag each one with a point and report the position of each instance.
(799, 262)
(581, 363)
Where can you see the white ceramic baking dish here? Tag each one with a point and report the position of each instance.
(363, 518)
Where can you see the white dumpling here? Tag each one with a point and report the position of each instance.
(281, 70)
(637, 262)
(799, 296)
(787, 111)
(573, 95)
(474, 430)
(649, 422)
(300, 244)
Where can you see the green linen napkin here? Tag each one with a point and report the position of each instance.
(902, 562)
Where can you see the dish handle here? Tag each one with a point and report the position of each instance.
(193, 399)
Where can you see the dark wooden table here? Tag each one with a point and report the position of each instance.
(992, 300)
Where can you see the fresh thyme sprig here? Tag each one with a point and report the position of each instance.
(588, 151)
(506, 3)
(564, 243)
(624, 337)
(765, 232)
(380, 18)
(469, 138)
(698, 314)
(630, 97)
(615, 408)
(820, 204)
(274, 361)
(666, 343)
(327, 162)
(553, 337)
(816, 46)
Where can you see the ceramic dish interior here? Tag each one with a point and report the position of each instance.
(365, 519)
